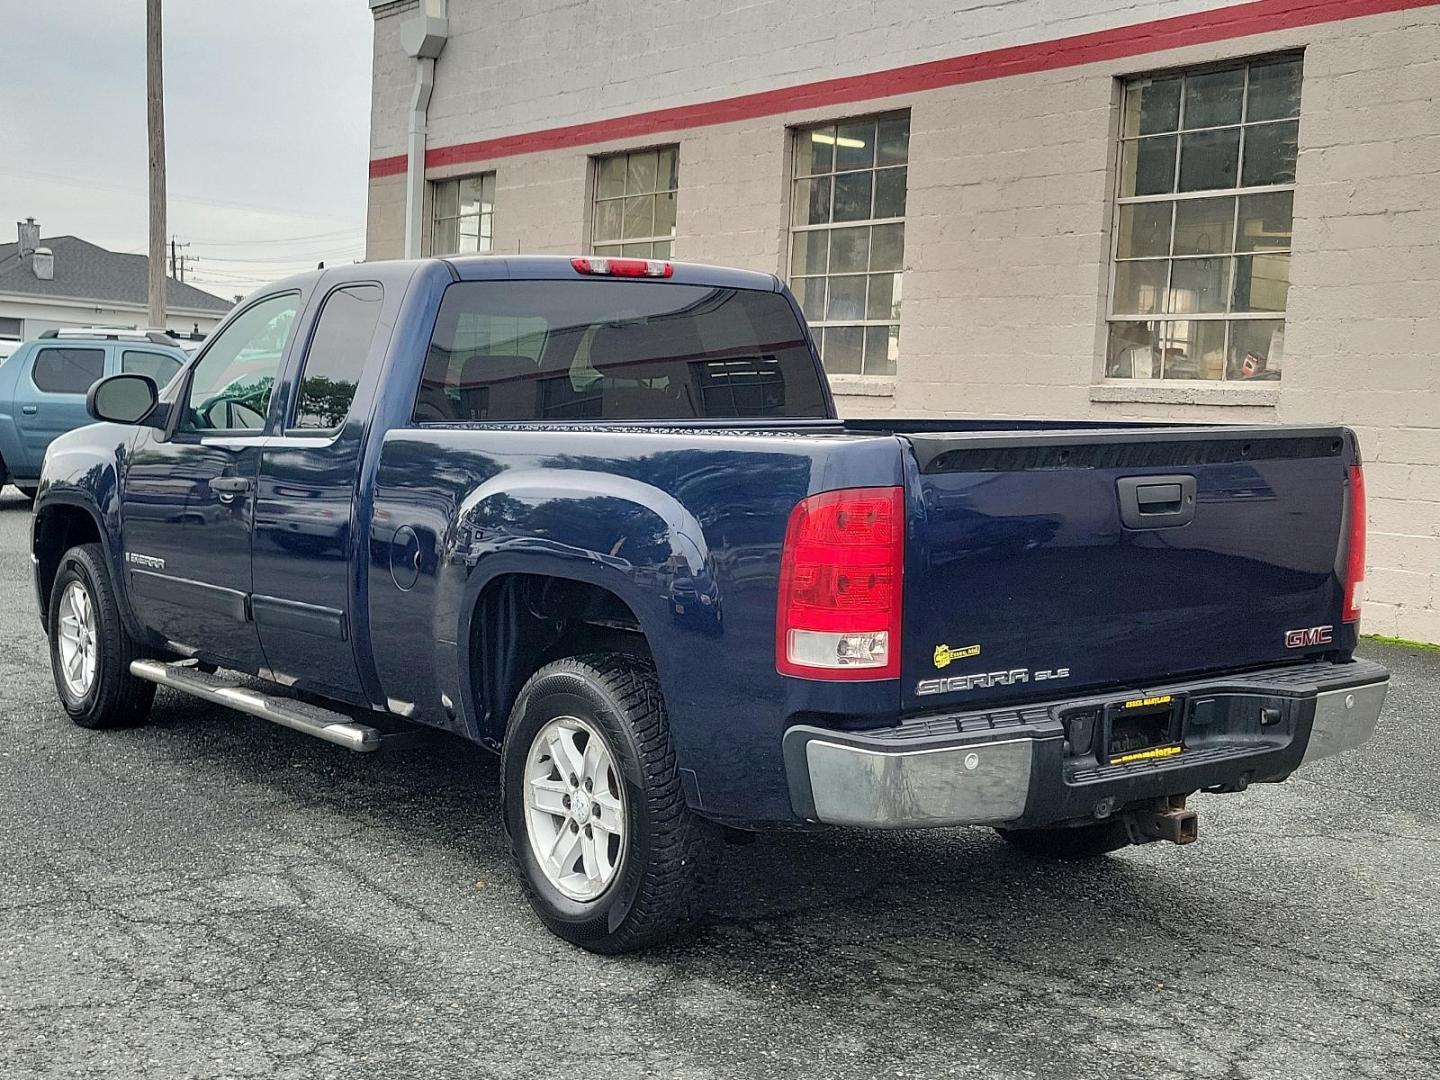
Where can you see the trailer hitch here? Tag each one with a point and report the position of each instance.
(1162, 819)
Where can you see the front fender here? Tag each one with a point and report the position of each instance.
(83, 470)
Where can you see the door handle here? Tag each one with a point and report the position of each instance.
(1156, 502)
(227, 487)
(28, 410)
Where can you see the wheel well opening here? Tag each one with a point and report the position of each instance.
(57, 530)
(524, 621)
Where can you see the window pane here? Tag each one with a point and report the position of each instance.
(1209, 159)
(1140, 286)
(1148, 167)
(810, 294)
(445, 237)
(610, 177)
(892, 144)
(667, 177)
(487, 193)
(1199, 286)
(887, 247)
(470, 195)
(844, 348)
(607, 220)
(67, 371)
(638, 251)
(447, 195)
(849, 250)
(1204, 226)
(881, 344)
(1262, 282)
(1213, 98)
(158, 366)
(663, 249)
(1132, 352)
(811, 252)
(337, 355)
(230, 388)
(852, 196)
(1265, 221)
(1274, 91)
(665, 214)
(855, 145)
(1257, 349)
(1152, 106)
(816, 153)
(890, 193)
(812, 201)
(847, 298)
(884, 297)
(1270, 153)
(469, 242)
(639, 217)
(642, 167)
(1193, 349)
(1144, 230)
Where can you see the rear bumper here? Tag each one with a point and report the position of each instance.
(1030, 766)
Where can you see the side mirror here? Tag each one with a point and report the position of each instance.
(123, 399)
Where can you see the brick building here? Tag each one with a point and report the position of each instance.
(1105, 209)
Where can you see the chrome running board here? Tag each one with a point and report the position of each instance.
(333, 727)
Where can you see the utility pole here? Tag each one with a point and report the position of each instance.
(155, 124)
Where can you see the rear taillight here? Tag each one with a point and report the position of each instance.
(1355, 546)
(840, 577)
(622, 267)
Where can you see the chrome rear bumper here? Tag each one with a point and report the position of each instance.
(1018, 768)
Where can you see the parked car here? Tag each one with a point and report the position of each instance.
(43, 385)
(510, 498)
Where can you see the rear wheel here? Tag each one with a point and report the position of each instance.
(90, 649)
(612, 858)
(1071, 844)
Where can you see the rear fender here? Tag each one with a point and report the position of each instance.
(614, 532)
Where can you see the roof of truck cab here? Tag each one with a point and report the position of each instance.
(558, 267)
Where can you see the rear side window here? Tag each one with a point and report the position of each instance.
(67, 371)
(615, 350)
(158, 366)
(337, 356)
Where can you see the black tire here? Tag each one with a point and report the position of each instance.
(1072, 844)
(28, 492)
(115, 698)
(669, 852)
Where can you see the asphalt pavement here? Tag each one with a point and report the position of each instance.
(212, 896)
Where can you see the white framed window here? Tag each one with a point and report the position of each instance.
(463, 217)
(847, 238)
(1204, 208)
(634, 210)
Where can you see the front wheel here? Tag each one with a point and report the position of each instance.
(90, 649)
(612, 857)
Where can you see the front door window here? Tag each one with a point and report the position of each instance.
(230, 390)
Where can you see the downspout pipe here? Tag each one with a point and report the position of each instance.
(423, 37)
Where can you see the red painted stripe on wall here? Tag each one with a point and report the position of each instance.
(1240, 20)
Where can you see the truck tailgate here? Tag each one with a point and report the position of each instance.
(1046, 564)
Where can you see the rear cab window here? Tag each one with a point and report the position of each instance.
(61, 369)
(615, 350)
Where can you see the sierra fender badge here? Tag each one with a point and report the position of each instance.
(945, 655)
(1307, 636)
(150, 562)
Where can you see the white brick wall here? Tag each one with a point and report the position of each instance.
(1007, 236)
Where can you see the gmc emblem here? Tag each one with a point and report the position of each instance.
(1307, 636)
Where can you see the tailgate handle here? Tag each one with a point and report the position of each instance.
(1156, 502)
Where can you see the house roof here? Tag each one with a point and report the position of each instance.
(86, 271)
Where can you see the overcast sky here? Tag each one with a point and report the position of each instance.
(267, 117)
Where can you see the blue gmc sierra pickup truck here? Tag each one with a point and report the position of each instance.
(599, 515)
